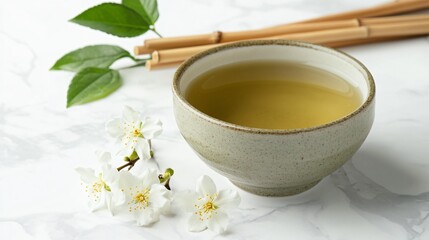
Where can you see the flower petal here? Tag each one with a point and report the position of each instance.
(185, 200)
(127, 148)
(151, 127)
(146, 216)
(218, 223)
(205, 186)
(141, 166)
(97, 203)
(114, 128)
(104, 157)
(160, 197)
(149, 177)
(109, 202)
(117, 195)
(195, 224)
(130, 115)
(142, 149)
(227, 199)
(110, 174)
(126, 182)
(87, 175)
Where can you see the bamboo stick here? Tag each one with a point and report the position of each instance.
(173, 42)
(386, 9)
(362, 41)
(218, 37)
(178, 54)
(140, 50)
(399, 29)
(324, 36)
(150, 65)
(287, 29)
(316, 24)
(394, 19)
(341, 34)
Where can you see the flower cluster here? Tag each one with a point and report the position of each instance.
(147, 196)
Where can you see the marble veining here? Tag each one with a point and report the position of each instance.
(382, 193)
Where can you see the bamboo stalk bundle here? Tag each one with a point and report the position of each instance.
(343, 29)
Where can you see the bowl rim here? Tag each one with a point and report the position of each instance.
(185, 65)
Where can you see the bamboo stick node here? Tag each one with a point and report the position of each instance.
(217, 36)
(155, 57)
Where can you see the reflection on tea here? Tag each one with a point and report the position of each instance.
(273, 95)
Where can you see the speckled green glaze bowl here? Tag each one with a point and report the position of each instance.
(274, 162)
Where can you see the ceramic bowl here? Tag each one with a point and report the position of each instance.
(274, 162)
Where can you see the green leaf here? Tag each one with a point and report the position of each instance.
(113, 18)
(91, 84)
(148, 9)
(101, 56)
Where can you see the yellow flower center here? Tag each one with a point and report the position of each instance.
(206, 210)
(209, 206)
(136, 132)
(94, 190)
(98, 186)
(132, 130)
(139, 199)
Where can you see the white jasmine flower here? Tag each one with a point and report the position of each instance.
(145, 197)
(208, 206)
(134, 133)
(99, 185)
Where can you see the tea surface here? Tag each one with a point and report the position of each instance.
(273, 95)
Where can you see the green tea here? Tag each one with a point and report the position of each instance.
(273, 95)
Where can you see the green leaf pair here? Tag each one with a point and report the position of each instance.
(94, 78)
(129, 19)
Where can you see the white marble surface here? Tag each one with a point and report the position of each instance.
(382, 193)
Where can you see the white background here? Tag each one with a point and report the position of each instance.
(382, 193)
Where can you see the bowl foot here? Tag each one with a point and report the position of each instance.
(275, 192)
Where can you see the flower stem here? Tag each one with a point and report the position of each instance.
(129, 164)
(157, 33)
(167, 184)
(163, 181)
(140, 63)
